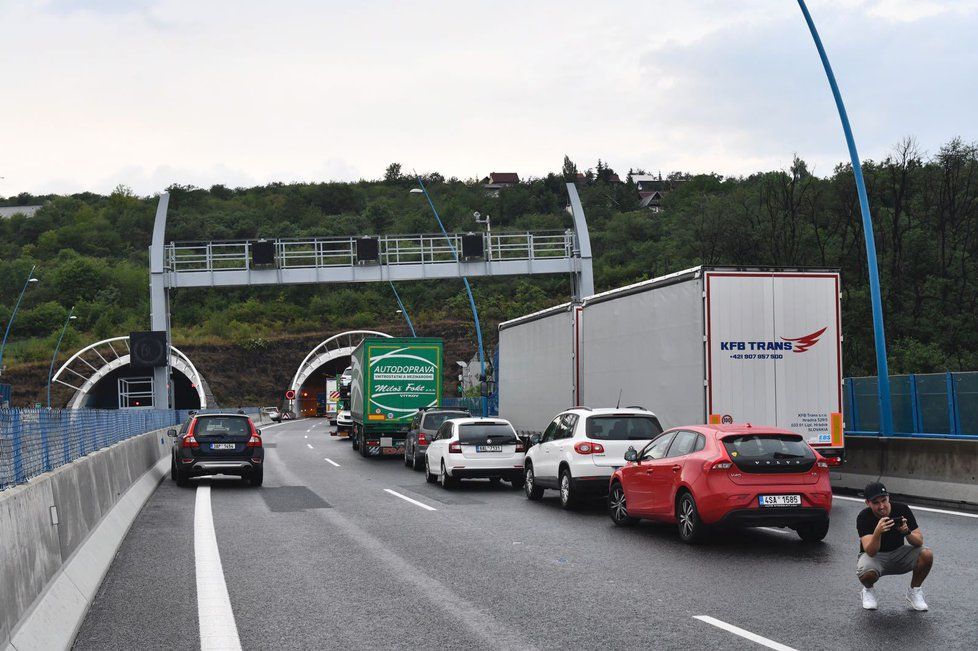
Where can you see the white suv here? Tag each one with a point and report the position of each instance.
(581, 448)
(469, 448)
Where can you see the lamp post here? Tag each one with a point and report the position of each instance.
(27, 283)
(882, 369)
(468, 288)
(403, 310)
(71, 317)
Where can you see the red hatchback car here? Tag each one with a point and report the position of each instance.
(736, 475)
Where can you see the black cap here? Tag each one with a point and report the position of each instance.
(874, 490)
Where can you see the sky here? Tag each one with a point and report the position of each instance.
(147, 93)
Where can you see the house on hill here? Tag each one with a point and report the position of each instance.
(496, 181)
(651, 189)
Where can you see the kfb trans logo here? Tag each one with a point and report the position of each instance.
(796, 345)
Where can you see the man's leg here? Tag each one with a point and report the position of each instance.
(922, 568)
(869, 578)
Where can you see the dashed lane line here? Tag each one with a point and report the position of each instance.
(408, 499)
(309, 445)
(736, 630)
(915, 508)
(332, 462)
(218, 629)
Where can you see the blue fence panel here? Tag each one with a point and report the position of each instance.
(33, 441)
(5, 392)
(925, 405)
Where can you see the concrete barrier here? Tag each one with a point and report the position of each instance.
(59, 533)
(937, 469)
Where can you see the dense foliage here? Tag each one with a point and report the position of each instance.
(91, 251)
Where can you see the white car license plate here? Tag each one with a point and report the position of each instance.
(779, 500)
(222, 446)
(488, 448)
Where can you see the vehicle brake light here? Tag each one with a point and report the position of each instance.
(422, 440)
(832, 461)
(587, 447)
(189, 441)
(520, 445)
(254, 441)
(719, 464)
(455, 447)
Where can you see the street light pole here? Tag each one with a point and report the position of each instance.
(882, 369)
(468, 289)
(403, 310)
(71, 317)
(3, 345)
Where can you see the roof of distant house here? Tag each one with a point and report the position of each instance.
(9, 211)
(504, 177)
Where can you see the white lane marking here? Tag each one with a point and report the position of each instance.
(309, 445)
(915, 508)
(217, 626)
(305, 436)
(332, 462)
(408, 499)
(753, 637)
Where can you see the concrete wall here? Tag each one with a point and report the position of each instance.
(33, 549)
(938, 469)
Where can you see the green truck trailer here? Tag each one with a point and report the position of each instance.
(392, 380)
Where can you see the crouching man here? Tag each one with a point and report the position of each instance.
(884, 529)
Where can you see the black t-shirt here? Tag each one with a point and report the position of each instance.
(866, 524)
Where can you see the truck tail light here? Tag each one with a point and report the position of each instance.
(455, 447)
(587, 447)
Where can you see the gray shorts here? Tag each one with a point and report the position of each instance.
(899, 561)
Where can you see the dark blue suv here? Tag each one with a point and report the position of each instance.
(217, 444)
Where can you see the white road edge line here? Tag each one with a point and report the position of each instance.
(753, 637)
(408, 499)
(309, 445)
(332, 462)
(218, 629)
(915, 508)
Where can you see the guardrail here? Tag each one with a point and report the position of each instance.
(341, 251)
(34, 441)
(928, 405)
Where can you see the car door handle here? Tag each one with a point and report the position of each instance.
(648, 472)
(676, 468)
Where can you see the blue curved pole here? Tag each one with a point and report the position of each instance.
(882, 369)
(56, 349)
(468, 288)
(403, 310)
(6, 333)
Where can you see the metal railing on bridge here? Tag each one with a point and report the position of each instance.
(930, 405)
(34, 441)
(341, 251)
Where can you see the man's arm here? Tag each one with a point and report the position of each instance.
(916, 537)
(871, 542)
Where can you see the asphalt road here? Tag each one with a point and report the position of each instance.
(326, 556)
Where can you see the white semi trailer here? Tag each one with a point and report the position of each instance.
(704, 345)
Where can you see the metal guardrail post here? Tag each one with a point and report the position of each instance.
(915, 418)
(851, 388)
(953, 422)
(44, 418)
(16, 430)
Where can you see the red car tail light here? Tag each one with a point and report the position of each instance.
(832, 461)
(254, 441)
(520, 445)
(189, 442)
(455, 447)
(717, 465)
(587, 447)
(422, 439)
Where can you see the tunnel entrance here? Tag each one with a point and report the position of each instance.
(313, 397)
(131, 388)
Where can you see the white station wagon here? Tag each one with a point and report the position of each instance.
(475, 448)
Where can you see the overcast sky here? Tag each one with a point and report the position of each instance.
(148, 93)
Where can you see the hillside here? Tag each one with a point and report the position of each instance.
(91, 253)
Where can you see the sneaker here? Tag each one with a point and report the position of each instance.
(869, 599)
(915, 597)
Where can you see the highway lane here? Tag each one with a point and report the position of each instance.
(329, 553)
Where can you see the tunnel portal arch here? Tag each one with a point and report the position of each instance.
(104, 359)
(329, 350)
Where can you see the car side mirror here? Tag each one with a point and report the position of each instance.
(258, 431)
(631, 455)
(172, 433)
(534, 439)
